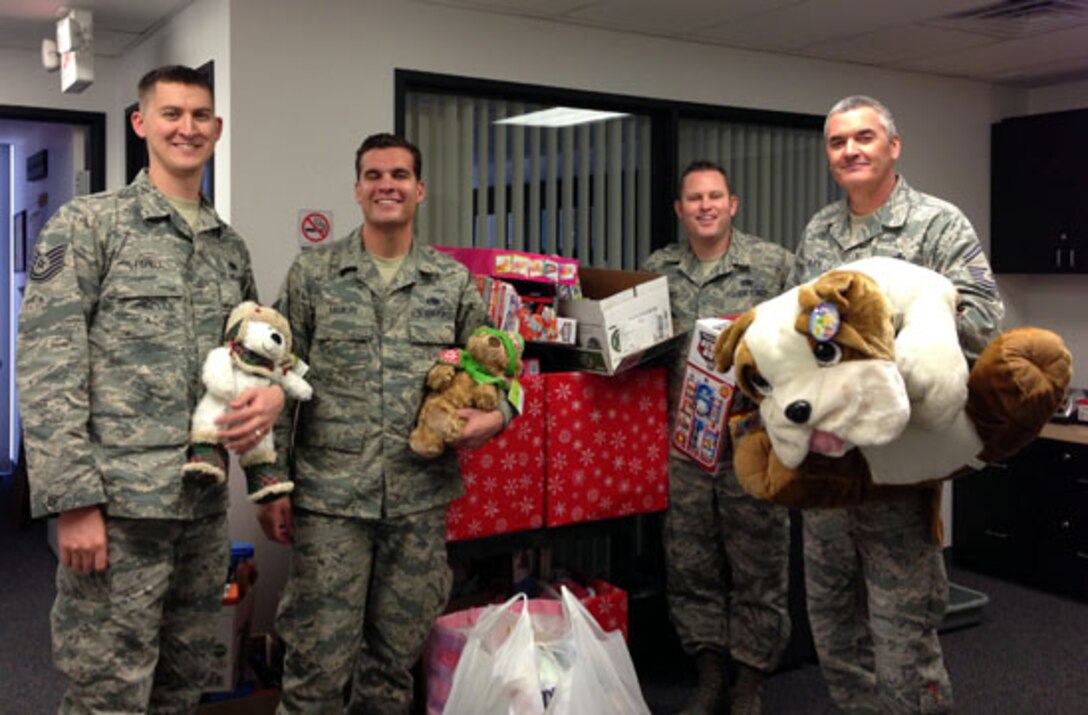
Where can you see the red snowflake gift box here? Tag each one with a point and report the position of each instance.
(504, 479)
(607, 445)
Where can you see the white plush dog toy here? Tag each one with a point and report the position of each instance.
(257, 353)
(883, 371)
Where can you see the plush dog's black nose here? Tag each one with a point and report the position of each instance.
(277, 339)
(799, 411)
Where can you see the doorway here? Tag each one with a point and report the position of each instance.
(48, 156)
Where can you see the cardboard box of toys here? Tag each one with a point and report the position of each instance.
(700, 429)
(623, 319)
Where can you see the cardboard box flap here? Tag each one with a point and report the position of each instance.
(600, 283)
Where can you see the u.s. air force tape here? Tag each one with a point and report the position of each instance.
(48, 263)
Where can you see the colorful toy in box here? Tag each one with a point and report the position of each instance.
(538, 322)
(502, 300)
(699, 429)
(518, 265)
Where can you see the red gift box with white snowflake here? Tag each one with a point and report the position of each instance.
(607, 445)
(504, 479)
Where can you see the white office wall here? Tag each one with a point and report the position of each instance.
(26, 84)
(310, 80)
(198, 34)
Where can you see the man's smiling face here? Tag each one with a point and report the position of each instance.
(388, 189)
(861, 154)
(706, 207)
(179, 123)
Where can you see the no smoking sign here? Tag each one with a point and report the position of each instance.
(314, 227)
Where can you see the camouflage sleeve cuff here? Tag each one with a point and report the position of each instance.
(48, 503)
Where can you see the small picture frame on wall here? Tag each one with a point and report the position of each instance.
(18, 241)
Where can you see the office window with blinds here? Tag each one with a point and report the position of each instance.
(780, 174)
(572, 185)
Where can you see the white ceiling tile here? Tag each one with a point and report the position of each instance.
(796, 26)
(532, 8)
(1003, 57)
(894, 45)
(669, 18)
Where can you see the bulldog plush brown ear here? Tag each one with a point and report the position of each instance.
(867, 327)
(1014, 388)
(726, 345)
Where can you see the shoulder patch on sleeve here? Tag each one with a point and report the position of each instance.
(48, 263)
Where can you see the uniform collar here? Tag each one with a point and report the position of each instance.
(419, 260)
(154, 204)
(891, 215)
(739, 254)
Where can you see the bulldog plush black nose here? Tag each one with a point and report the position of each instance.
(277, 339)
(799, 411)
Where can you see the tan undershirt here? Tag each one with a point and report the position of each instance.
(189, 210)
(387, 267)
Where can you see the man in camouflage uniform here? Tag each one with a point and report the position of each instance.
(128, 293)
(876, 584)
(371, 314)
(715, 533)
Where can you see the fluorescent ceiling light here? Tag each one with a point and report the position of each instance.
(560, 117)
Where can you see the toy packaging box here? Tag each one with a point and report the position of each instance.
(516, 265)
(504, 479)
(607, 445)
(700, 429)
(520, 290)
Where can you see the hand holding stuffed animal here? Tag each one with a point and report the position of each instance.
(257, 353)
(862, 387)
(472, 377)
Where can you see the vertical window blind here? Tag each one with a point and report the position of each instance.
(779, 174)
(580, 191)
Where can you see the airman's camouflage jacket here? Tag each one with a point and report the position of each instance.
(750, 272)
(918, 228)
(369, 348)
(123, 303)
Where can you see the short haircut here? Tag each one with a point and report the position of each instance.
(857, 101)
(701, 165)
(389, 141)
(175, 74)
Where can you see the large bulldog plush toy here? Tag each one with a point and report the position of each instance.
(862, 387)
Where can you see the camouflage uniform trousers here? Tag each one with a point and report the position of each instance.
(137, 637)
(359, 603)
(877, 590)
(716, 533)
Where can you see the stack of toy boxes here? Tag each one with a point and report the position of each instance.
(587, 446)
(520, 290)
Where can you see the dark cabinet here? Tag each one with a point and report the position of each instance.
(1027, 519)
(1039, 215)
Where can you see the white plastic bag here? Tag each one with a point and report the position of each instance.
(532, 658)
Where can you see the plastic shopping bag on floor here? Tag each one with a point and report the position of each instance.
(543, 658)
(599, 677)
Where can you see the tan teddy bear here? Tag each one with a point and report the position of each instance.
(468, 378)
